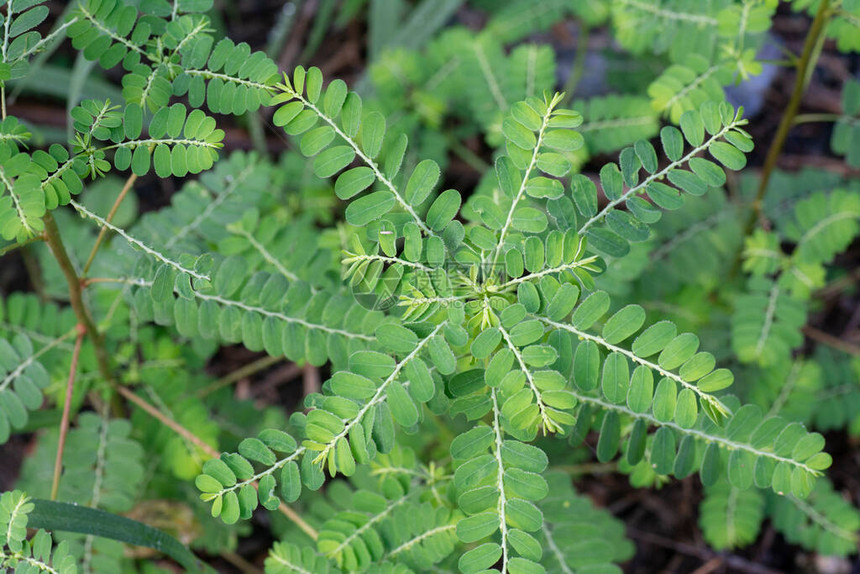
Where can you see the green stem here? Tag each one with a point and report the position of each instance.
(240, 373)
(255, 129)
(14, 246)
(588, 468)
(578, 65)
(34, 272)
(468, 156)
(805, 66)
(810, 118)
(790, 63)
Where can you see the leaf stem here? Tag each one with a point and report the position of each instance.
(525, 175)
(549, 271)
(556, 551)
(239, 562)
(379, 396)
(14, 246)
(546, 422)
(702, 435)
(64, 423)
(713, 401)
(125, 189)
(824, 521)
(500, 479)
(368, 161)
(84, 212)
(643, 185)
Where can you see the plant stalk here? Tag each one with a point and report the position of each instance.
(125, 189)
(810, 118)
(805, 66)
(578, 67)
(831, 341)
(199, 443)
(14, 246)
(64, 423)
(240, 373)
(167, 421)
(55, 242)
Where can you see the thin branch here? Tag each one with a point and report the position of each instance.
(578, 67)
(167, 421)
(469, 157)
(55, 242)
(812, 118)
(125, 189)
(668, 14)
(87, 281)
(418, 539)
(703, 396)
(14, 246)
(735, 562)
(831, 341)
(369, 524)
(352, 258)
(805, 65)
(705, 436)
(823, 521)
(552, 270)
(525, 175)
(136, 242)
(236, 560)
(270, 259)
(64, 423)
(379, 396)
(232, 303)
(489, 77)
(555, 550)
(369, 162)
(199, 443)
(240, 373)
(643, 185)
(546, 421)
(500, 479)
(769, 316)
(836, 287)
(19, 370)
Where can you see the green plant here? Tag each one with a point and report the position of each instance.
(544, 308)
